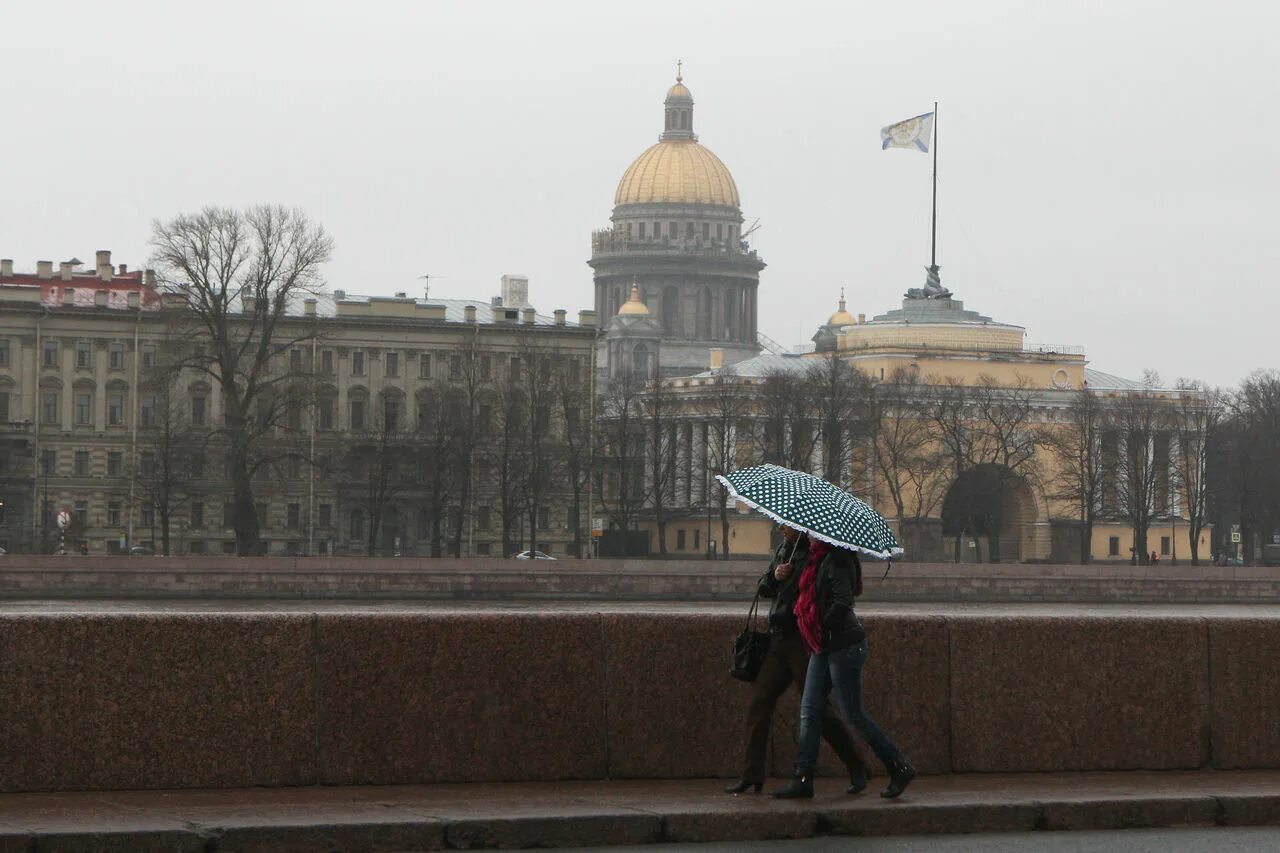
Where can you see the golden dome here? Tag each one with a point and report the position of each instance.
(634, 307)
(677, 171)
(679, 90)
(841, 317)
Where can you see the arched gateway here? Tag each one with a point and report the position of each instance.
(990, 514)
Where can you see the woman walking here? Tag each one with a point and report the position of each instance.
(786, 664)
(831, 631)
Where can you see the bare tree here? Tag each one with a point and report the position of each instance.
(572, 399)
(841, 396)
(621, 451)
(1075, 445)
(511, 456)
(239, 274)
(375, 467)
(902, 461)
(657, 410)
(1195, 426)
(436, 441)
(163, 475)
(1139, 419)
(726, 410)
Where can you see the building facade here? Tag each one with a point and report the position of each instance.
(676, 236)
(390, 383)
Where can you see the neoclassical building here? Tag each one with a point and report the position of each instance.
(676, 237)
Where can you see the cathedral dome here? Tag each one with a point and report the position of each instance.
(677, 171)
(841, 317)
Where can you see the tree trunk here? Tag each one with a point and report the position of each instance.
(164, 530)
(662, 536)
(724, 531)
(245, 514)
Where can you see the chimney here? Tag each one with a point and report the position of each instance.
(309, 307)
(862, 318)
(587, 319)
(100, 298)
(104, 264)
(249, 303)
(470, 313)
(529, 316)
(559, 314)
(151, 278)
(400, 294)
(717, 358)
(44, 269)
(6, 267)
(65, 270)
(339, 295)
(134, 300)
(124, 269)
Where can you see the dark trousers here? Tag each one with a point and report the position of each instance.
(786, 664)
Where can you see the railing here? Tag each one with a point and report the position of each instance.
(612, 243)
(1055, 349)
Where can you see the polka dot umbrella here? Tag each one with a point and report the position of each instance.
(813, 505)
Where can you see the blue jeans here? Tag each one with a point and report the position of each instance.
(841, 671)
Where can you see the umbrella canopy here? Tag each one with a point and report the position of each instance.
(813, 505)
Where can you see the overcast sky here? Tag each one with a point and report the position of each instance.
(1108, 170)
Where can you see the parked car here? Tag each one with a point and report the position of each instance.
(290, 551)
(141, 551)
(3, 552)
(533, 555)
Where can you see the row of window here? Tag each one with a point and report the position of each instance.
(83, 408)
(457, 365)
(51, 349)
(641, 231)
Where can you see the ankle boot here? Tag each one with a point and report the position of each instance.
(858, 778)
(742, 786)
(900, 775)
(800, 786)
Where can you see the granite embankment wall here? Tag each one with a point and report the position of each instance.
(643, 580)
(137, 699)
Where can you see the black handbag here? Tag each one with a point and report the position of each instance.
(750, 647)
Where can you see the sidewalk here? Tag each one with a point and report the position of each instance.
(583, 814)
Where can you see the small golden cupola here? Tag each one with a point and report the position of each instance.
(634, 307)
(841, 317)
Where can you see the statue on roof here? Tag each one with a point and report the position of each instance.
(932, 289)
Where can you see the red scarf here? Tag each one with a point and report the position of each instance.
(806, 609)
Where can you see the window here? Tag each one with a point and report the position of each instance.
(294, 416)
(197, 515)
(199, 405)
(49, 407)
(294, 466)
(84, 354)
(326, 362)
(357, 363)
(116, 356)
(719, 231)
(680, 540)
(84, 409)
(4, 352)
(148, 355)
(148, 415)
(326, 413)
(543, 415)
(484, 549)
(673, 230)
(484, 418)
(1165, 542)
(571, 420)
(115, 461)
(697, 540)
(228, 515)
(115, 409)
(392, 364)
(262, 510)
(357, 414)
(424, 366)
(81, 464)
(147, 464)
(197, 547)
(197, 465)
(425, 420)
(486, 368)
(228, 547)
(4, 406)
(455, 367)
(147, 516)
(49, 354)
(295, 361)
(482, 518)
(48, 463)
(326, 515)
(390, 414)
(82, 514)
(642, 230)
(706, 231)
(295, 516)
(46, 513)
(514, 368)
(357, 524)
(113, 513)
(1113, 546)
(544, 518)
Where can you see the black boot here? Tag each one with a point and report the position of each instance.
(900, 775)
(800, 786)
(742, 786)
(858, 778)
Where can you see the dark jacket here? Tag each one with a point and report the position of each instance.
(838, 582)
(782, 617)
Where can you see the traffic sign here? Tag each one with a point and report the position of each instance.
(64, 519)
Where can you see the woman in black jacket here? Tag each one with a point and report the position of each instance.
(824, 614)
(786, 664)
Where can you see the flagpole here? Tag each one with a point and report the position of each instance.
(933, 244)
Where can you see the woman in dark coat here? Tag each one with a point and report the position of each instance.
(786, 664)
(832, 632)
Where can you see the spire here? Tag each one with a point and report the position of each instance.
(678, 109)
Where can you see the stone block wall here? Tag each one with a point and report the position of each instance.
(109, 701)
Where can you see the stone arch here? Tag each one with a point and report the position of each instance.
(993, 509)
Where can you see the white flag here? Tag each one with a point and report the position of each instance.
(912, 133)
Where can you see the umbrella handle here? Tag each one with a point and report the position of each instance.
(887, 566)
